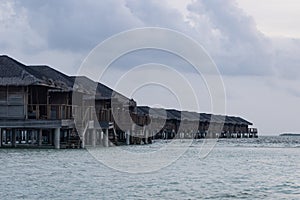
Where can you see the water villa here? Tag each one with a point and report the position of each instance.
(38, 109)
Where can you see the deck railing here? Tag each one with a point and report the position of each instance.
(81, 113)
(49, 111)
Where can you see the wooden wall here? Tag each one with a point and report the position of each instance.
(12, 101)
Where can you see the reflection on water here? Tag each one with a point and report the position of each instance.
(267, 167)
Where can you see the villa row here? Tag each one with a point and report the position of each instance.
(42, 107)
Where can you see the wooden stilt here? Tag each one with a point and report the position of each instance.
(102, 138)
(40, 137)
(57, 138)
(98, 137)
(13, 138)
(26, 136)
(106, 138)
(146, 136)
(127, 137)
(83, 140)
(87, 137)
(93, 138)
(1, 138)
(133, 134)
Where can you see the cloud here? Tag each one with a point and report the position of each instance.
(287, 58)
(77, 25)
(270, 103)
(15, 31)
(229, 35)
(157, 13)
(240, 48)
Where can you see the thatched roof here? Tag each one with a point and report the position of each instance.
(53, 77)
(173, 114)
(14, 73)
(94, 90)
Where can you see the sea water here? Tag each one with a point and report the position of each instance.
(254, 168)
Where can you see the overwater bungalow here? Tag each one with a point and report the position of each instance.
(193, 125)
(42, 107)
(35, 106)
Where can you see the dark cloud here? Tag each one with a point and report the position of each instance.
(229, 35)
(157, 13)
(240, 48)
(77, 25)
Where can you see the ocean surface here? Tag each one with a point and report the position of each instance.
(258, 168)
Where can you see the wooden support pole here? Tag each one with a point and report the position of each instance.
(102, 138)
(134, 132)
(94, 138)
(82, 140)
(127, 137)
(86, 137)
(40, 137)
(181, 135)
(106, 138)
(98, 137)
(1, 138)
(14, 138)
(90, 137)
(115, 135)
(57, 138)
(146, 136)
(26, 132)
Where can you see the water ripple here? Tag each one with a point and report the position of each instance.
(263, 168)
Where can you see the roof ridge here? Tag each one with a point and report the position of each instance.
(18, 67)
(57, 71)
(13, 60)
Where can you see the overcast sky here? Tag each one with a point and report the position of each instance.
(255, 44)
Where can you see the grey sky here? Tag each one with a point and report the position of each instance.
(257, 55)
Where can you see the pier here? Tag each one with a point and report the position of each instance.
(44, 108)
